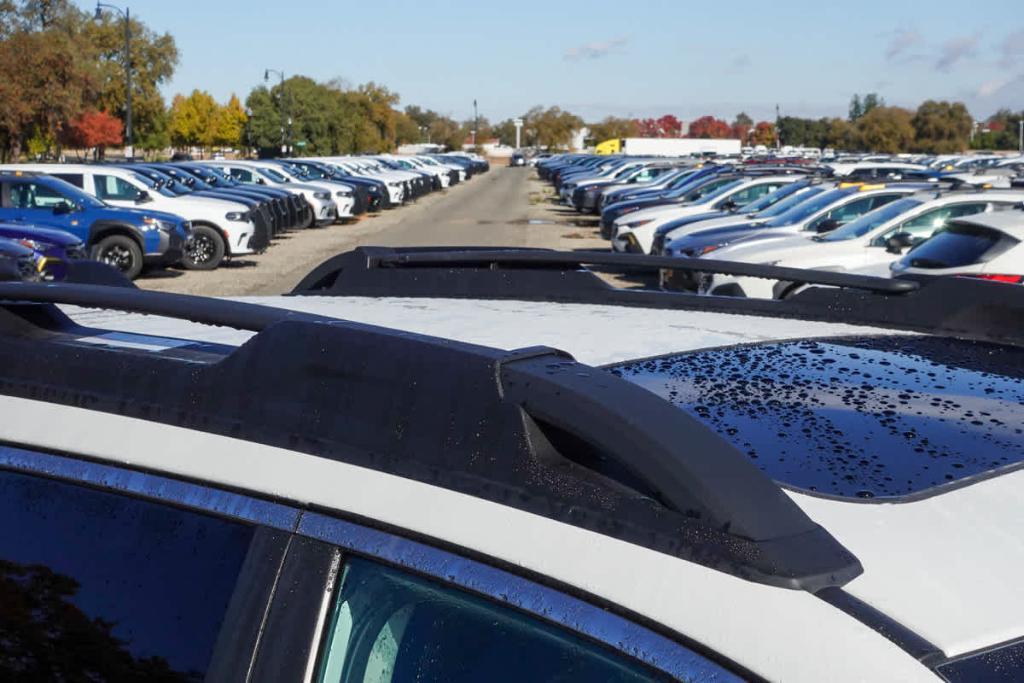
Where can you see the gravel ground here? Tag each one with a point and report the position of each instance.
(505, 207)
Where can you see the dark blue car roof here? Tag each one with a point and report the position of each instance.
(859, 418)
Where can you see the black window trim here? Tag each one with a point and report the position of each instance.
(549, 604)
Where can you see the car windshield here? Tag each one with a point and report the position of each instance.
(795, 199)
(272, 174)
(871, 220)
(152, 185)
(810, 207)
(689, 184)
(713, 190)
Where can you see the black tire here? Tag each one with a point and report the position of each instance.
(312, 217)
(204, 249)
(121, 252)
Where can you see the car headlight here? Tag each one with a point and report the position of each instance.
(343, 193)
(35, 245)
(242, 216)
(637, 224)
(150, 223)
(395, 183)
(322, 194)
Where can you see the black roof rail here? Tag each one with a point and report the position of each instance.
(957, 306)
(531, 429)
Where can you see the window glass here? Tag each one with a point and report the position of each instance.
(851, 210)
(76, 179)
(243, 174)
(35, 196)
(388, 626)
(113, 188)
(103, 587)
(873, 219)
(749, 194)
(957, 245)
(924, 226)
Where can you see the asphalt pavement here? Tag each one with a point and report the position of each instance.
(504, 207)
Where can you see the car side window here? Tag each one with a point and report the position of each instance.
(242, 174)
(114, 188)
(76, 179)
(28, 195)
(390, 626)
(924, 226)
(752, 193)
(854, 209)
(95, 585)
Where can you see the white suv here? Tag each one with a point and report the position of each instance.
(220, 228)
(323, 208)
(821, 490)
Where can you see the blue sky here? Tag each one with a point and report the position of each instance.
(596, 57)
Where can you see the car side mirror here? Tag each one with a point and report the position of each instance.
(63, 208)
(898, 242)
(729, 205)
(827, 225)
(261, 181)
(142, 197)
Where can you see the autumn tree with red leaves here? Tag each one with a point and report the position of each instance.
(94, 130)
(764, 134)
(667, 126)
(710, 127)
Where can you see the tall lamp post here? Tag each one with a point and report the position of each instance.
(129, 148)
(284, 108)
(476, 123)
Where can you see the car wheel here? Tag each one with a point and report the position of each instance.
(121, 252)
(311, 221)
(204, 249)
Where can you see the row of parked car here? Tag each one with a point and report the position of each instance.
(879, 217)
(196, 214)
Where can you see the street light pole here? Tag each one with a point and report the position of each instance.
(129, 148)
(285, 141)
(1020, 136)
(476, 122)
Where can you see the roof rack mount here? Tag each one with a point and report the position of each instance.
(532, 429)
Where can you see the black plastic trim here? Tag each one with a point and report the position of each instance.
(426, 409)
(955, 306)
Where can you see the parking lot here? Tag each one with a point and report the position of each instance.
(504, 207)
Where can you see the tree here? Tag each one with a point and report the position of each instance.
(94, 130)
(550, 128)
(1001, 131)
(942, 127)
(229, 123)
(709, 127)
(861, 106)
(612, 127)
(764, 134)
(153, 57)
(742, 126)
(193, 119)
(667, 126)
(885, 129)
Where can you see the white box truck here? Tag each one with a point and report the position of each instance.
(669, 147)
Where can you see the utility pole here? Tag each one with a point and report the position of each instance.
(519, 128)
(285, 117)
(129, 147)
(1020, 136)
(778, 137)
(476, 123)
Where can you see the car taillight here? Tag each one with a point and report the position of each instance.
(999, 277)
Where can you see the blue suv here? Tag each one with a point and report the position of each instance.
(127, 239)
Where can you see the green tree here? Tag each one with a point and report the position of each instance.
(550, 128)
(942, 127)
(885, 129)
(153, 57)
(612, 127)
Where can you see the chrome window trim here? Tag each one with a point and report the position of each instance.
(549, 604)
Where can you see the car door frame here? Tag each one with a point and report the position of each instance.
(274, 624)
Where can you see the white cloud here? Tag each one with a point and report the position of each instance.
(901, 40)
(595, 50)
